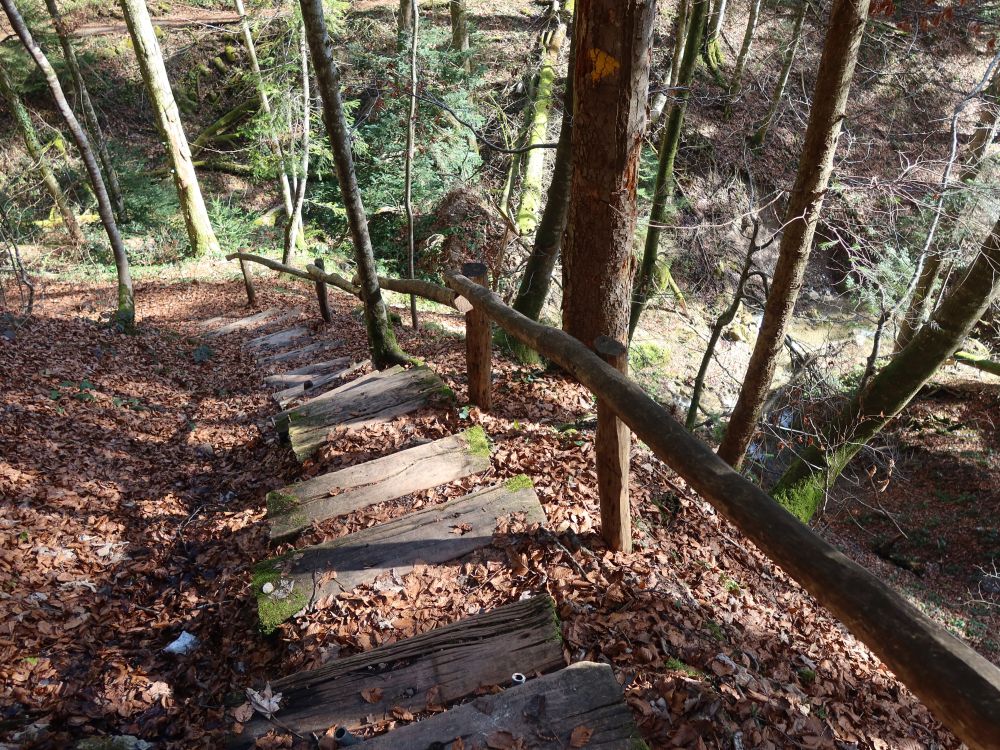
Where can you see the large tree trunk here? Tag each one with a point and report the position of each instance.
(653, 275)
(287, 199)
(741, 60)
(460, 31)
(154, 74)
(802, 487)
(833, 83)
(757, 139)
(89, 113)
(537, 278)
(37, 154)
(125, 315)
(381, 338)
(534, 166)
(609, 118)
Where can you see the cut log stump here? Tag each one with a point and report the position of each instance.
(252, 321)
(311, 577)
(439, 667)
(377, 397)
(580, 706)
(313, 348)
(277, 340)
(293, 509)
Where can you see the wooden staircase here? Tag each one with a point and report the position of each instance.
(497, 679)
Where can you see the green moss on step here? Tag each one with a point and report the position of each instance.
(280, 502)
(520, 482)
(446, 393)
(272, 611)
(479, 444)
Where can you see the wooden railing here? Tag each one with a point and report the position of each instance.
(959, 686)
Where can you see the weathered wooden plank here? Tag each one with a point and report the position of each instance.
(251, 321)
(454, 661)
(281, 419)
(314, 348)
(376, 400)
(542, 714)
(311, 576)
(310, 386)
(292, 509)
(277, 339)
(303, 375)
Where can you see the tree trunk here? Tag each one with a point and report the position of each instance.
(89, 113)
(986, 129)
(381, 338)
(681, 30)
(609, 117)
(125, 316)
(404, 21)
(537, 278)
(154, 75)
(833, 83)
(265, 106)
(294, 229)
(757, 139)
(411, 136)
(37, 154)
(460, 31)
(651, 281)
(741, 60)
(713, 39)
(534, 168)
(802, 487)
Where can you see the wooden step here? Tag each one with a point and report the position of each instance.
(313, 348)
(454, 661)
(312, 576)
(580, 706)
(316, 385)
(294, 508)
(278, 339)
(305, 373)
(378, 397)
(251, 321)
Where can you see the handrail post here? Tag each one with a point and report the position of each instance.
(612, 446)
(321, 293)
(478, 344)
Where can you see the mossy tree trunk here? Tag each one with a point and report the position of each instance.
(802, 486)
(89, 113)
(125, 315)
(614, 38)
(757, 139)
(653, 272)
(741, 59)
(154, 74)
(287, 198)
(713, 39)
(537, 278)
(833, 84)
(460, 31)
(381, 338)
(37, 154)
(534, 167)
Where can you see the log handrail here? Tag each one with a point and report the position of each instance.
(959, 686)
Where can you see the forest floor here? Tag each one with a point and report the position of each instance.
(136, 469)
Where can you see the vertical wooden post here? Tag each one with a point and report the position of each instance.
(478, 343)
(248, 283)
(324, 302)
(613, 446)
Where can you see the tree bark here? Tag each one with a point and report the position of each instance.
(713, 39)
(294, 228)
(404, 21)
(460, 31)
(741, 60)
(265, 106)
(381, 338)
(537, 278)
(757, 139)
(411, 137)
(125, 315)
(833, 83)
(650, 281)
(802, 487)
(147, 51)
(611, 77)
(89, 113)
(37, 154)
(680, 36)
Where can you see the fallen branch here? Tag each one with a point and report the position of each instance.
(979, 361)
(312, 273)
